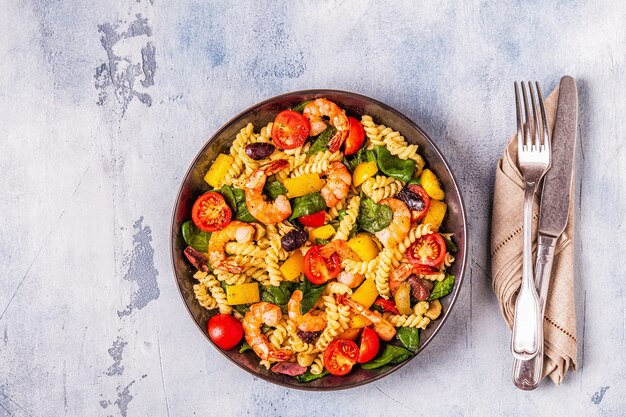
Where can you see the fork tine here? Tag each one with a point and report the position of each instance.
(518, 111)
(535, 117)
(544, 119)
(527, 139)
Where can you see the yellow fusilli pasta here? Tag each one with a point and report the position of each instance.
(275, 254)
(349, 220)
(217, 292)
(203, 297)
(380, 187)
(413, 320)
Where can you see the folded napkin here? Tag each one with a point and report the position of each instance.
(506, 260)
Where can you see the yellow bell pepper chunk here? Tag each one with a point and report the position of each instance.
(324, 232)
(430, 182)
(303, 185)
(293, 267)
(435, 214)
(358, 321)
(242, 294)
(215, 176)
(366, 294)
(363, 171)
(364, 246)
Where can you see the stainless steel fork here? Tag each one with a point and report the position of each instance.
(533, 155)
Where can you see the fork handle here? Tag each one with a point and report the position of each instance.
(527, 323)
(527, 373)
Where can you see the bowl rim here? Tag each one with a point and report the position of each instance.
(458, 280)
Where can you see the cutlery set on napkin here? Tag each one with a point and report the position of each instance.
(538, 304)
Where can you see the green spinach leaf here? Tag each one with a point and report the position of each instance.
(307, 204)
(391, 354)
(242, 308)
(195, 237)
(442, 288)
(236, 199)
(450, 246)
(278, 295)
(308, 376)
(310, 294)
(273, 189)
(373, 217)
(363, 155)
(409, 337)
(244, 346)
(300, 107)
(321, 143)
(393, 166)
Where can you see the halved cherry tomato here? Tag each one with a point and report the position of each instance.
(319, 269)
(290, 129)
(225, 330)
(340, 356)
(429, 250)
(370, 343)
(356, 137)
(210, 212)
(386, 305)
(313, 220)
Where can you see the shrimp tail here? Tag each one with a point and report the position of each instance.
(275, 166)
(337, 140)
(280, 355)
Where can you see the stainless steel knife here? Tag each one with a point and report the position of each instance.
(553, 214)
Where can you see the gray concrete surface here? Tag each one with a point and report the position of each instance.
(104, 104)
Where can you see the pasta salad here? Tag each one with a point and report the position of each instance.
(317, 243)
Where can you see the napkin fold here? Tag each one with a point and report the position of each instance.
(506, 260)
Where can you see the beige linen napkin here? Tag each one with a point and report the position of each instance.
(506, 260)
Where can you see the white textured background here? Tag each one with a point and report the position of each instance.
(104, 104)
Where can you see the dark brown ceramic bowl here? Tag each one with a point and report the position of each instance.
(356, 105)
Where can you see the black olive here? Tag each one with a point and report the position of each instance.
(308, 337)
(258, 151)
(420, 288)
(294, 239)
(411, 199)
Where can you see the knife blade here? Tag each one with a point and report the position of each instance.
(553, 214)
(557, 184)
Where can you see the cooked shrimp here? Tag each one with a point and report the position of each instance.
(338, 181)
(260, 314)
(382, 327)
(236, 230)
(306, 322)
(400, 224)
(404, 271)
(398, 276)
(315, 112)
(344, 251)
(268, 212)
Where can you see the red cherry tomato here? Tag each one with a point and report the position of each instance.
(313, 220)
(225, 330)
(355, 138)
(290, 129)
(429, 250)
(386, 305)
(370, 343)
(340, 356)
(418, 211)
(210, 212)
(319, 269)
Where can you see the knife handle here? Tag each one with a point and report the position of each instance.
(527, 373)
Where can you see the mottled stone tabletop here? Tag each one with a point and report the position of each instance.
(104, 104)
